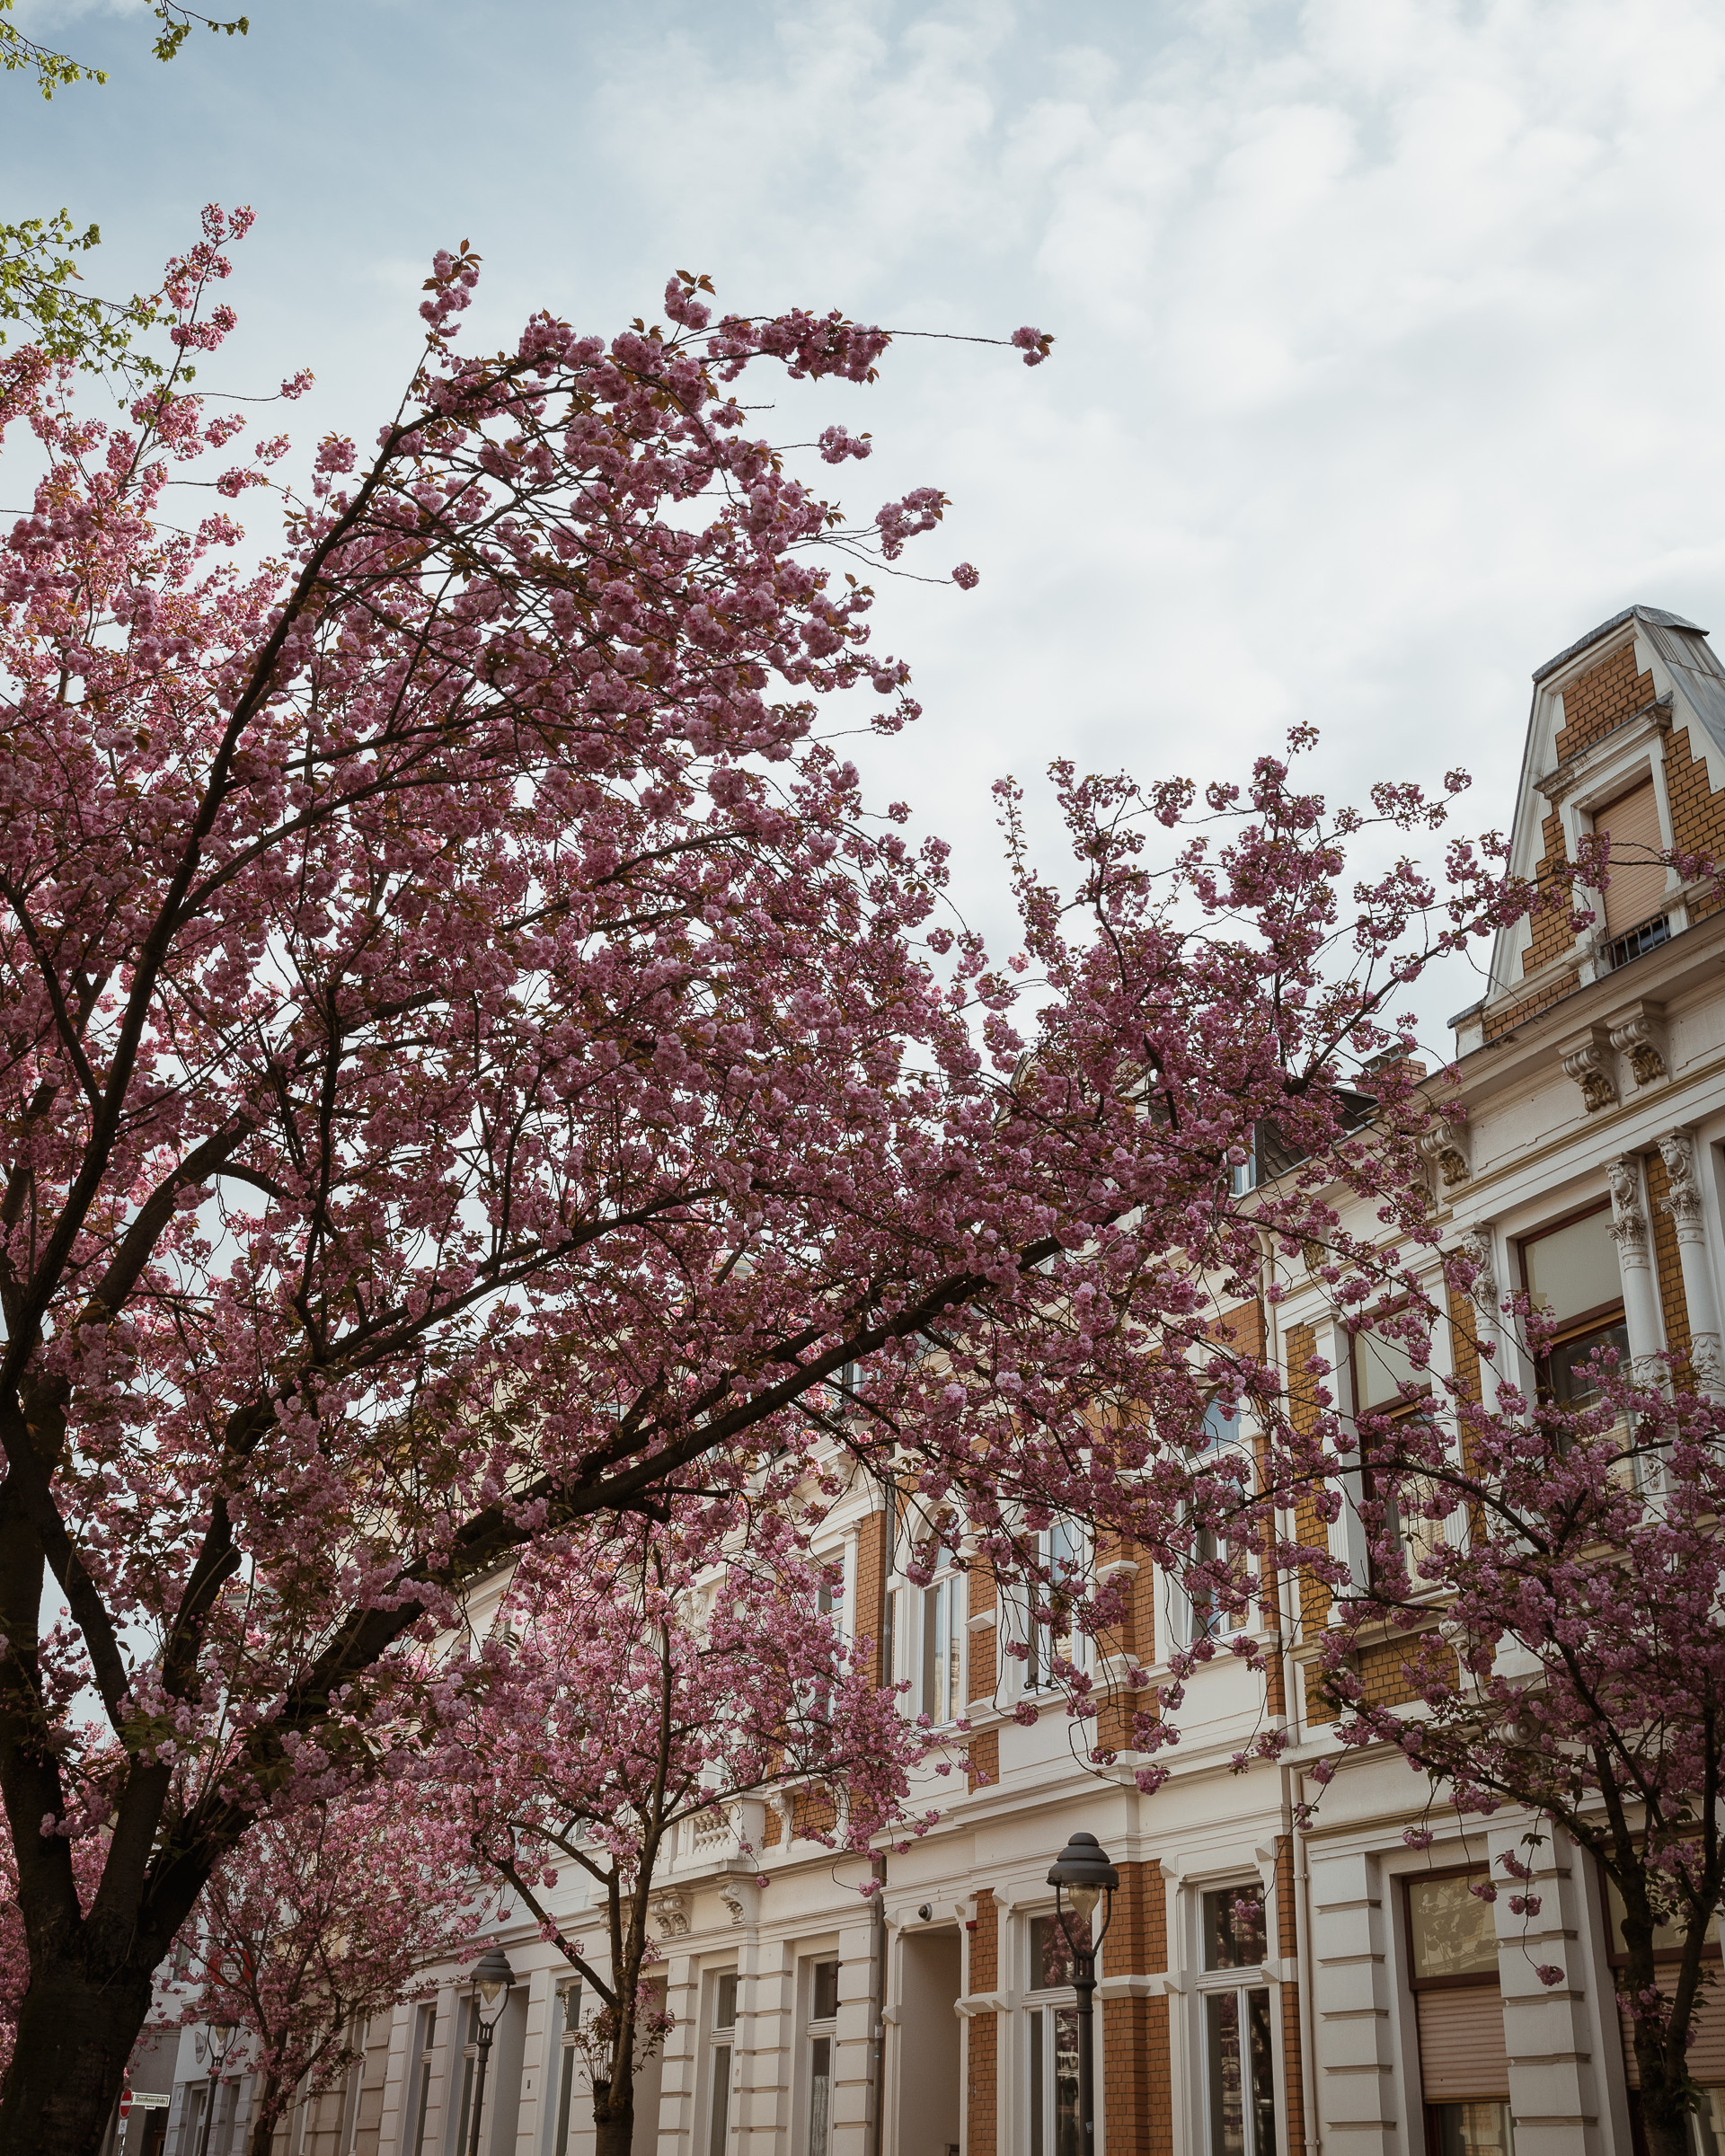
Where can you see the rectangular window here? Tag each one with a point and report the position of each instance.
(1056, 2128)
(1571, 1274)
(942, 1692)
(1463, 2062)
(719, 2060)
(425, 2032)
(1062, 1551)
(1052, 1956)
(823, 2013)
(567, 2023)
(1239, 2050)
(1635, 878)
(1390, 1386)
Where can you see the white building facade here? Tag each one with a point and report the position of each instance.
(1265, 1990)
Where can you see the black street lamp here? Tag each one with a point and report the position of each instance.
(1081, 1877)
(489, 1988)
(217, 2037)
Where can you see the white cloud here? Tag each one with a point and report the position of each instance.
(1389, 331)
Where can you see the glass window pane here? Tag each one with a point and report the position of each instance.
(1221, 1424)
(565, 2096)
(724, 2005)
(1574, 1269)
(570, 1998)
(1261, 2060)
(1039, 2094)
(1234, 1930)
(720, 2120)
(1068, 2127)
(1222, 2070)
(1474, 2129)
(820, 2103)
(1570, 1382)
(1668, 1939)
(466, 2101)
(824, 2004)
(1450, 1931)
(1710, 2122)
(929, 1703)
(1382, 1366)
(1051, 1967)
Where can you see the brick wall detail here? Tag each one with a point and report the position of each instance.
(1137, 2095)
(981, 2036)
(871, 1586)
(1607, 693)
(983, 1652)
(1674, 1305)
(1293, 2057)
(1551, 935)
(1303, 1407)
(1389, 1670)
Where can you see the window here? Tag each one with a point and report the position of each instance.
(469, 2020)
(722, 2042)
(1052, 2041)
(1233, 1999)
(1708, 2121)
(1384, 1366)
(566, 2027)
(1635, 879)
(1208, 1613)
(941, 1694)
(1464, 2064)
(1062, 1551)
(425, 2033)
(823, 2028)
(1570, 1274)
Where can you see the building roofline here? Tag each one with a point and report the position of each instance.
(1656, 614)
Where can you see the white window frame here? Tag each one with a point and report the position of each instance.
(942, 1636)
(562, 2062)
(1038, 2006)
(816, 2032)
(1212, 1984)
(720, 2050)
(1075, 1539)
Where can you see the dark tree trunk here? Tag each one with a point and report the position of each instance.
(1665, 2111)
(613, 2116)
(266, 2117)
(74, 2036)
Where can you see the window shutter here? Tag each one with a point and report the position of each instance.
(1706, 2060)
(1462, 2051)
(1637, 889)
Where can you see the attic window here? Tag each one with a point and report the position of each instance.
(1635, 891)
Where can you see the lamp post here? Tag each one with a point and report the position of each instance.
(217, 2037)
(1081, 1877)
(489, 1988)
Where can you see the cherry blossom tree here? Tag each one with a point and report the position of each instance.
(1554, 1569)
(317, 1922)
(473, 1064)
(630, 1689)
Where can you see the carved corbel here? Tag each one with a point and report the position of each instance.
(671, 1913)
(1588, 1060)
(1628, 1220)
(1475, 1246)
(1444, 1146)
(1640, 1035)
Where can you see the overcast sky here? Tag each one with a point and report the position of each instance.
(1390, 334)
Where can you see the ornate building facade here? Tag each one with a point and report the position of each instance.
(1265, 1990)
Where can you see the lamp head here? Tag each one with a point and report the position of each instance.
(1081, 1875)
(489, 1986)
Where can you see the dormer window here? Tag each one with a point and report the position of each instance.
(1635, 917)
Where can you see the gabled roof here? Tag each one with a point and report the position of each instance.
(1656, 615)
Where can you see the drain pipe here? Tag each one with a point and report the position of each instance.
(1308, 2005)
(878, 2070)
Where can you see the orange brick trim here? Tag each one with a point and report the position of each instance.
(871, 1587)
(983, 1654)
(1674, 1305)
(981, 2037)
(1603, 697)
(1388, 1670)
(985, 1759)
(1293, 2057)
(1550, 934)
(1136, 2081)
(1303, 1407)
(1511, 1015)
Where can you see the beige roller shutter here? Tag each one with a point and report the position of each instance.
(1462, 2049)
(1706, 2050)
(1636, 891)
